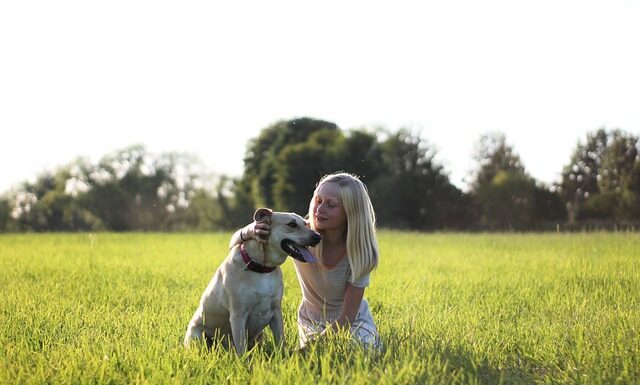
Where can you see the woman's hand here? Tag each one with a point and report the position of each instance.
(255, 230)
(259, 231)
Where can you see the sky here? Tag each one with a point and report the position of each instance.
(86, 78)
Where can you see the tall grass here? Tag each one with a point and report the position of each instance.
(451, 309)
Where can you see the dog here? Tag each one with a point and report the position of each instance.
(245, 293)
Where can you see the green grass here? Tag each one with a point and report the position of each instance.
(451, 309)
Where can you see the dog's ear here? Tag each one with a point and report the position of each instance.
(262, 215)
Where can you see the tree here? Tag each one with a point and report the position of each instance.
(408, 188)
(620, 177)
(5, 215)
(412, 191)
(549, 210)
(602, 179)
(493, 155)
(361, 154)
(45, 205)
(507, 202)
(501, 188)
(228, 206)
(286, 176)
(129, 189)
(302, 165)
(580, 177)
(261, 158)
(133, 189)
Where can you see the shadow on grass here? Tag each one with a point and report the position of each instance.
(483, 370)
(445, 362)
(402, 360)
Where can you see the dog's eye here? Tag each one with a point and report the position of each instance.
(292, 224)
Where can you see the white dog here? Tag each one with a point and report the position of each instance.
(245, 293)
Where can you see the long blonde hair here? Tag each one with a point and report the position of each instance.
(362, 243)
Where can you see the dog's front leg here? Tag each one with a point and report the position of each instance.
(277, 328)
(238, 321)
(194, 333)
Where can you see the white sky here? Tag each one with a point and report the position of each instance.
(85, 78)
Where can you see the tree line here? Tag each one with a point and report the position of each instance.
(134, 190)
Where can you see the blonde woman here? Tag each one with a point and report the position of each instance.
(333, 289)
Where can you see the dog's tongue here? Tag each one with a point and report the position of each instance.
(306, 254)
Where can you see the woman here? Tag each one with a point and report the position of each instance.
(333, 289)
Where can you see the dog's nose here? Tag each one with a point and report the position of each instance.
(315, 238)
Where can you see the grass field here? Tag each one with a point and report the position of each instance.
(451, 309)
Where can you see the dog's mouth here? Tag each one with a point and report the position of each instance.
(298, 252)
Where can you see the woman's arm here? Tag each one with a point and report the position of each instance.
(237, 238)
(352, 298)
(255, 230)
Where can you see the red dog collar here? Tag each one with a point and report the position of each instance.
(251, 265)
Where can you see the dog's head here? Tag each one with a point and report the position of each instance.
(289, 234)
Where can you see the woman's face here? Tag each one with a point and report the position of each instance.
(326, 208)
